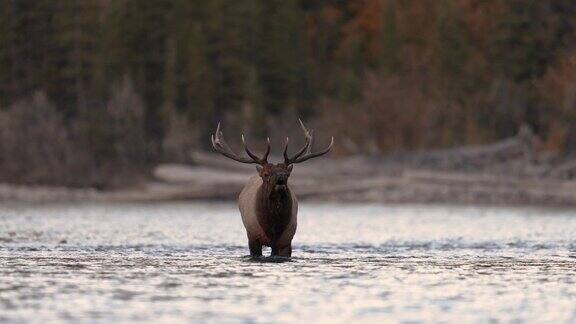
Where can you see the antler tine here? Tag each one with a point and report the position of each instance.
(219, 138)
(311, 142)
(309, 139)
(306, 152)
(222, 147)
(286, 158)
(304, 149)
(265, 157)
(252, 155)
(304, 129)
(317, 154)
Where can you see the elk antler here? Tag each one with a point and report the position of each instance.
(305, 152)
(222, 147)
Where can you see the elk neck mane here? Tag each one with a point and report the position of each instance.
(274, 209)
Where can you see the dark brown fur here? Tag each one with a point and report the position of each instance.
(274, 210)
(274, 204)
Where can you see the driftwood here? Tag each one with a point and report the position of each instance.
(566, 170)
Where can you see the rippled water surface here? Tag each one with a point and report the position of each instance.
(186, 261)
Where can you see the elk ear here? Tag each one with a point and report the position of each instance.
(259, 169)
(289, 168)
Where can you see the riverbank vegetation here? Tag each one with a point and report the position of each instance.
(96, 93)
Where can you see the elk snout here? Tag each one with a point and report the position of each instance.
(281, 181)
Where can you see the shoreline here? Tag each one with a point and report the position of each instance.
(407, 188)
(512, 172)
(105, 197)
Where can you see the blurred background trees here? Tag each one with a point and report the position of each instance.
(95, 92)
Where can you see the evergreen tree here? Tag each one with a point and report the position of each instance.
(282, 56)
(77, 32)
(32, 50)
(134, 44)
(6, 48)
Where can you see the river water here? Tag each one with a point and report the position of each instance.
(187, 262)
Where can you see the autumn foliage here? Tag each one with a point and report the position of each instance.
(385, 75)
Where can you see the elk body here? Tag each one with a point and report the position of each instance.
(267, 205)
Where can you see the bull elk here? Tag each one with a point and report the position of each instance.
(267, 204)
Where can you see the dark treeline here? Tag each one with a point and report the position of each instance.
(94, 92)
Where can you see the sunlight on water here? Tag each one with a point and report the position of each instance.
(186, 261)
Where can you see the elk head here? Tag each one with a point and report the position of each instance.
(274, 176)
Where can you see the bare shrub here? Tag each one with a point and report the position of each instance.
(557, 88)
(35, 144)
(392, 113)
(181, 136)
(114, 136)
(104, 146)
